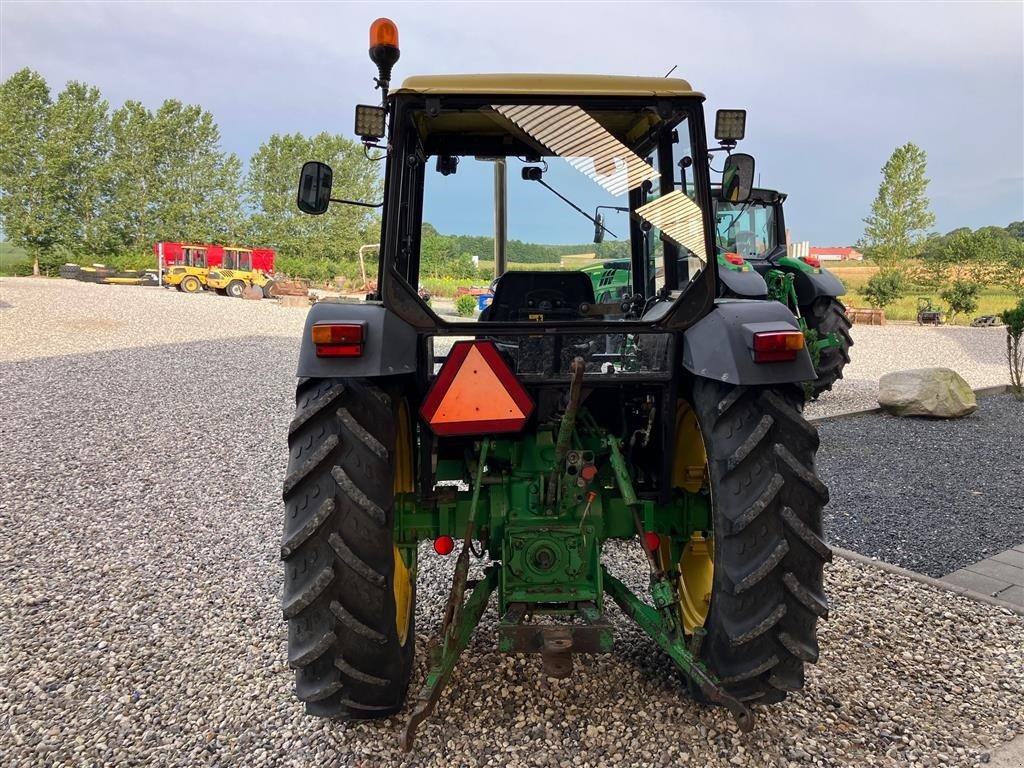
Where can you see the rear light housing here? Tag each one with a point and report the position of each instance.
(777, 346)
(734, 258)
(339, 339)
(811, 261)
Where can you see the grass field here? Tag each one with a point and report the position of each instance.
(992, 301)
(10, 257)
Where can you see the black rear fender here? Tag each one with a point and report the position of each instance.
(389, 344)
(720, 345)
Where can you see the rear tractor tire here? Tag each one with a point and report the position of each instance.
(766, 546)
(348, 594)
(826, 315)
(191, 284)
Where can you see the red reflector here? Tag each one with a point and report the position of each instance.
(811, 261)
(338, 339)
(652, 541)
(339, 350)
(444, 545)
(734, 258)
(476, 393)
(589, 472)
(777, 346)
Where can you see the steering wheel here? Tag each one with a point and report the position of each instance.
(546, 300)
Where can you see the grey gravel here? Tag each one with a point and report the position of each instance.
(140, 617)
(930, 495)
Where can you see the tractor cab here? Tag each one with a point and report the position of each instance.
(187, 266)
(755, 229)
(241, 267)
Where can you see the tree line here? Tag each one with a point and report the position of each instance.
(80, 181)
(961, 263)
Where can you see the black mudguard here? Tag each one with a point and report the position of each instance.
(813, 285)
(720, 346)
(389, 347)
(749, 284)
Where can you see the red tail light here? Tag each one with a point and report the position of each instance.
(339, 339)
(734, 258)
(812, 261)
(777, 346)
(652, 541)
(444, 545)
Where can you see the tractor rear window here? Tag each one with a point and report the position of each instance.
(745, 228)
(581, 194)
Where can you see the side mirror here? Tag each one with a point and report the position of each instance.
(315, 187)
(738, 178)
(599, 228)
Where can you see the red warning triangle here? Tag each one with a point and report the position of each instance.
(476, 393)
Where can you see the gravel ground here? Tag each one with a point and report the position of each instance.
(140, 615)
(977, 354)
(929, 495)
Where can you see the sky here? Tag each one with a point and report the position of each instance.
(830, 88)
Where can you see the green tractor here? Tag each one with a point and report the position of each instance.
(752, 233)
(753, 264)
(554, 425)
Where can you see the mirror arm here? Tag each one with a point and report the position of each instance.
(357, 202)
(563, 198)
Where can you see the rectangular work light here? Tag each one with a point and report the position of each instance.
(370, 122)
(730, 124)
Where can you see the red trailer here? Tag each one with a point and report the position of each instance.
(210, 256)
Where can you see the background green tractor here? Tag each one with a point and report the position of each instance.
(557, 423)
(753, 232)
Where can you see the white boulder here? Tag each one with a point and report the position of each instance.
(937, 392)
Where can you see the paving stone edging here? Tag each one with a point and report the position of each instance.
(847, 554)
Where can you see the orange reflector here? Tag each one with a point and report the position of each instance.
(476, 393)
(444, 545)
(384, 32)
(734, 258)
(777, 346)
(338, 339)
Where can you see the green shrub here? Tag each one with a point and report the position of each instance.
(884, 288)
(465, 305)
(1014, 319)
(962, 296)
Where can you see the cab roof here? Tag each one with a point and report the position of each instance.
(546, 85)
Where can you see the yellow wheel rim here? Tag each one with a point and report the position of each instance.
(696, 579)
(696, 565)
(402, 579)
(403, 597)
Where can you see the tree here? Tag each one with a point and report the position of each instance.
(272, 183)
(24, 104)
(962, 296)
(884, 288)
(1010, 271)
(900, 214)
(130, 207)
(197, 187)
(75, 170)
